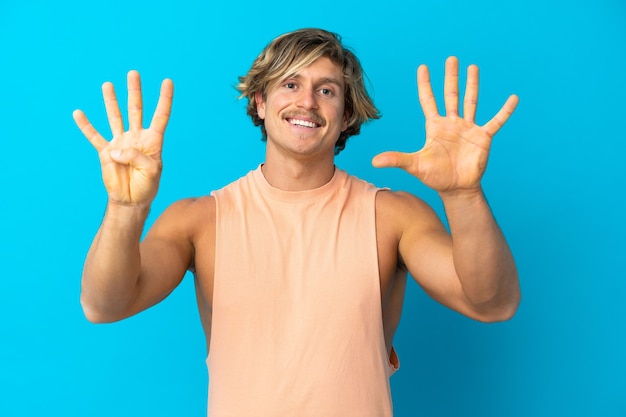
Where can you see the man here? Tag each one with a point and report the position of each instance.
(301, 268)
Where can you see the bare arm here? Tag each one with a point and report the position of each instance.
(482, 257)
(111, 271)
(122, 276)
(472, 270)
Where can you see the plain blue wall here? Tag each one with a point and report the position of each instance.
(555, 181)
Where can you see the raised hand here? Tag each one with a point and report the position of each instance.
(131, 161)
(455, 154)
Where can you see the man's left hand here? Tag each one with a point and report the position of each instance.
(454, 157)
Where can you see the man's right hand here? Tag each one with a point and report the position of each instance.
(131, 161)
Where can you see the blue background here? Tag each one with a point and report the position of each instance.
(555, 182)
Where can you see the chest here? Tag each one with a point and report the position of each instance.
(292, 250)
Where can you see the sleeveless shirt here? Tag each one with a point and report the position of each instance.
(297, 318)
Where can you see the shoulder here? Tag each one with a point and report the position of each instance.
(193, 206)
(408, 220)
(400, 204)
(187, 216)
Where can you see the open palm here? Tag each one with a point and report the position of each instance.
(454, 156)
(131, 161)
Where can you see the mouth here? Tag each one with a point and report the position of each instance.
(302, 123)
(307, 120)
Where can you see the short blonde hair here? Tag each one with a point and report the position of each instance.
(295, 50)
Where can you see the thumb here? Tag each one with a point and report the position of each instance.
(393, 159)
(132, 157)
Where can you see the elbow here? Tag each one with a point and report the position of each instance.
(95, 315)
(500, 312)
(500, 304)
(499, 315)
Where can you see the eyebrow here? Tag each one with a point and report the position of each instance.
(332, 81)
(325, 80)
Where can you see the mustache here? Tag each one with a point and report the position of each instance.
(307, 115)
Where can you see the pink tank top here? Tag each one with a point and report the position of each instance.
(297, 322)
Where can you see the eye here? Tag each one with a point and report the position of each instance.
(327, 92)
(290, 85)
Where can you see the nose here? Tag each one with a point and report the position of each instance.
(306, 99)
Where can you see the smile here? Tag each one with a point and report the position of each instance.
(303, 123)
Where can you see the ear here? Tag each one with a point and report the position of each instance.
(346, 119)
(260, 104)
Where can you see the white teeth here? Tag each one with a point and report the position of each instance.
(304, 123)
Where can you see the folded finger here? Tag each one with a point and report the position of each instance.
(136, 159)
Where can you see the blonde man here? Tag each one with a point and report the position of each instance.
(300, 267)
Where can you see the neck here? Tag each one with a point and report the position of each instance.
(290, 175)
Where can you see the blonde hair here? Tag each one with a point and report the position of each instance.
(292, 51)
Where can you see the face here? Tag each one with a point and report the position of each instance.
(304, 112)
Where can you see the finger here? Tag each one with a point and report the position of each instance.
(393, 159)
(470, 101)
(451, 86)
(163, 108)
(136, 159)
(502, 116)
(113, 109)
(135, 105)
(89, 131)
(425, 92)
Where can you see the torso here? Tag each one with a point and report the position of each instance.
(392, 275)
